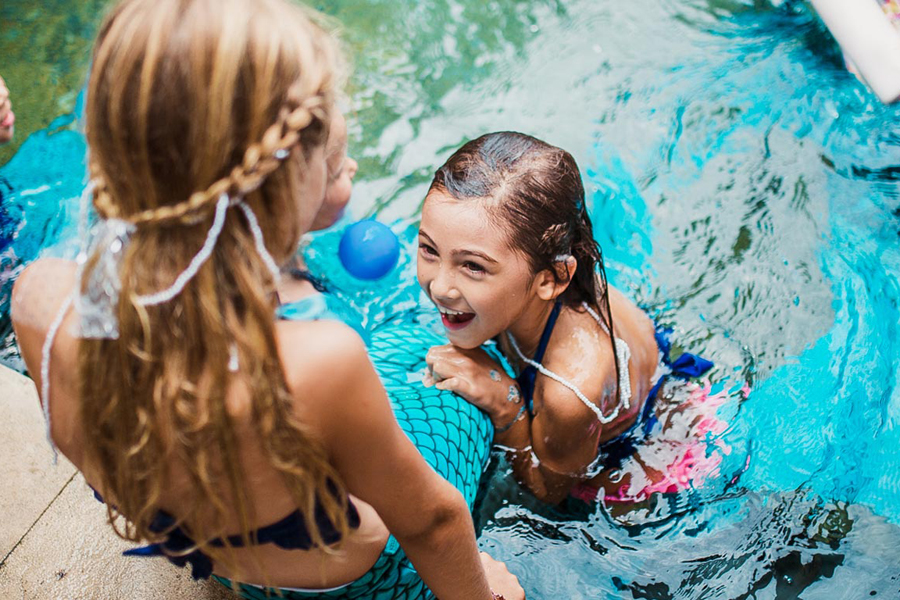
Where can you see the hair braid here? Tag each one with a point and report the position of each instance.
(556, 240)
(102, 199)
(259, 161)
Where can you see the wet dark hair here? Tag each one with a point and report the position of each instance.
(535, 195)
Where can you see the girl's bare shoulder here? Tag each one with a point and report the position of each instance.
(40, 288)
(637, 329)
(320, 358)
(37, 296)
(579, 354)
(318, 343)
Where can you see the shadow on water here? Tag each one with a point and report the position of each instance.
(738, 545)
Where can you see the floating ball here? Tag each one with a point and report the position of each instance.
(369, 250)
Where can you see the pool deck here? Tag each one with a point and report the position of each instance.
(55, 543)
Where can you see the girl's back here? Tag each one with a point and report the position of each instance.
(310, 348)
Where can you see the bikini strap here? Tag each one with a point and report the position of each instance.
(548, 331)
(624, 356)
(528, 375)
(305, 275)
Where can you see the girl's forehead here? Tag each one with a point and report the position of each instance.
(463, 224)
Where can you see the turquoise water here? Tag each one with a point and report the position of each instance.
(743, 186)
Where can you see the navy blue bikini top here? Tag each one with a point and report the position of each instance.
(615, 450)
(290, 533)
(528, 375)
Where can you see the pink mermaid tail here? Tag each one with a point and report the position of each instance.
(685, 454)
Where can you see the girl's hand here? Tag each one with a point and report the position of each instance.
(501, 580)
(475, 376)
(7, 118)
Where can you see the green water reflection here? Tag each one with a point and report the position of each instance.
(406, 57)
(44, 54)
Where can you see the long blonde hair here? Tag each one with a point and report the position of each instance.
(189, 100)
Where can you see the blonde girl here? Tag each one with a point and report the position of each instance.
(258, 451)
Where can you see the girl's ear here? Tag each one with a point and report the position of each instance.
(550, 286)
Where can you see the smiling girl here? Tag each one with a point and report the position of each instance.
(506, 253)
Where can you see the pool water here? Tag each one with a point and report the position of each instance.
(744, 188)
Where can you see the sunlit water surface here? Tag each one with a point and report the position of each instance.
(744, 188)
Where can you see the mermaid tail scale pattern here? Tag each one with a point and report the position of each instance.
(453, 436)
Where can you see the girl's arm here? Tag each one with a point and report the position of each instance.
(379, 464)
(550, 452)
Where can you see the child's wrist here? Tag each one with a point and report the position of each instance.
(502, 426)
(507, 404)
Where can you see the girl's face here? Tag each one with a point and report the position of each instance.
(341, 170)
(480, 286)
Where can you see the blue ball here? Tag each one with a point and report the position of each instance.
(369, 250)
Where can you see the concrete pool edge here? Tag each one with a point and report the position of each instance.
(55, 542)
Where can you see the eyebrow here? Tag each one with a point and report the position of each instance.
(463, 252)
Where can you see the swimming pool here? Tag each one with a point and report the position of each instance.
(743, 186)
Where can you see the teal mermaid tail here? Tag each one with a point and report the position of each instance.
(391, 578)
(453, 435)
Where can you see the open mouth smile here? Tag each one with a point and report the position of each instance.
(454, 320)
